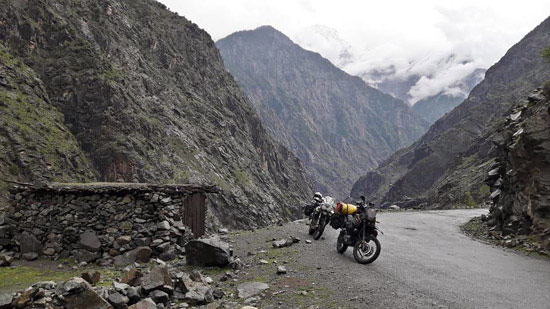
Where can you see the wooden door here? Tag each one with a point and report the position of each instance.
(194, 213)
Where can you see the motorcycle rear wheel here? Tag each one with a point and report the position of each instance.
(341, 247)
(367, 251)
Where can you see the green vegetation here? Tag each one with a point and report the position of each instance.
(469, 200)
(545, 54)
(484, 191)
(16, 278)
(546, 88)
(241, 177)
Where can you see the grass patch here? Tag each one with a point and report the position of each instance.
(21, 277)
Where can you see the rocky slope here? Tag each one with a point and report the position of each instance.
(448, 164)
(337, 125)
(146, 96)
(520, 180)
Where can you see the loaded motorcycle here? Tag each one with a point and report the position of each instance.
(320, 217)
(358, 229)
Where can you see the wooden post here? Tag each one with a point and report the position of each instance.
(194, 213)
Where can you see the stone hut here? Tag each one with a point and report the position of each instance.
(106, 223)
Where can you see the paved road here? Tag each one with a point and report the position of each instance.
(427, 262)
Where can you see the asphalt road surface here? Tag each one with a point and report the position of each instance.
(426, 262)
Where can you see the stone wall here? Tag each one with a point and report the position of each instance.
(103, 223)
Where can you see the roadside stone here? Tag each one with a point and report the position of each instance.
(49, 251)
(81, 295)
(6, 301)
(133, 294)
(159, 297)
(29, 244)
(146, 303)
(92, 277)
(5, 260)
(86, 256)
(281, 270)
(118, 300)
(207, 252)
(249, 289)
(157, 278)
(29, 256)
(133, 278)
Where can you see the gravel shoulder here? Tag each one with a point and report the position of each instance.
(426, 261)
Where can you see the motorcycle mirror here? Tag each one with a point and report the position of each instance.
(363, 198)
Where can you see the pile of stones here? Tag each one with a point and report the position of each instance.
(107, 225)
(159, 288)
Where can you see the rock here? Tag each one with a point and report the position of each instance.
(218, 293)
(264, 262)
(49, 251)
(92, 277)
(159, 297)
(5, 260)
(281, 270)
(164, 225)
(120, 287)
(86, 256)
(143, 254)
(207, 252)
(29, 244)
(89, 241)
(157, 278)
(199, 295)
(133, 278)
(147, 303)
(223, 231)
(283, 243)
(308, 241)
(249, 289)
(78, 294)
(235, 263)
(118, 300)
(168, 255)
(126, 258)
(29, 256)
(123, 240)
(6, 301)
(133, 294)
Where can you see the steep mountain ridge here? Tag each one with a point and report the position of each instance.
(334, 122)
(449, 162)
(145, 93)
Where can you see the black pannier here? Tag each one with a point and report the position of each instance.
(308, 209)
(338, 221)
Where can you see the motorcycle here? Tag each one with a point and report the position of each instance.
(321, 217)
(360, 231)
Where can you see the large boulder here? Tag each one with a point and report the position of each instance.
(208, 252)
(78, 294)
(29, 244)
(147, 303)
(157, 278)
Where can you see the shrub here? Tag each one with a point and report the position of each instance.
(468, 199)
(545, 54)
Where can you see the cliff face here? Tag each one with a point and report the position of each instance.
(449, 163)
(145, 94)
(520, 181)
(335, 123)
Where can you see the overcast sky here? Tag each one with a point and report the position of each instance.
(382, 32)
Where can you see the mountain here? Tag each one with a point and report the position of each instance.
(334, 122)
(125, 90)
(448, 164)
(434, 107)
(433, 84)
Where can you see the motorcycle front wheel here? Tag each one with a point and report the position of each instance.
(312, 225)
(367, 251)
(341, 247)
(320, 229)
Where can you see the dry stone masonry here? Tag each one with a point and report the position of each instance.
(103, 223)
